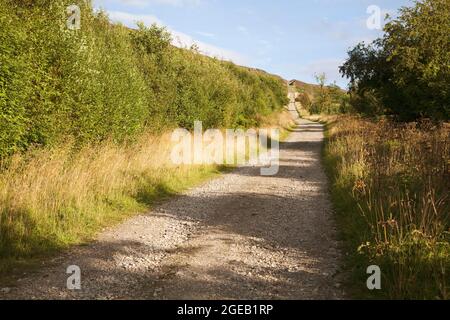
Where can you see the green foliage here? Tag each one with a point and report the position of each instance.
(12, 112)
(304, 99)
(107, 81)
(406, 73)
(327, 99)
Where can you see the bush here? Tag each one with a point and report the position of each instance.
(406, 73)
(107, 81)
(13, 83)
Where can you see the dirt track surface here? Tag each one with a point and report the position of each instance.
(241, 236)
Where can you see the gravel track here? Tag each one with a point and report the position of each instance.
(240, 236)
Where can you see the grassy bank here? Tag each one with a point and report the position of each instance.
(84, 117)
(389, 185)
(52, 198)
(105, 81)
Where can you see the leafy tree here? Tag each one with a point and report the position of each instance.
(405, 73)
(328, 99)
(322, 100)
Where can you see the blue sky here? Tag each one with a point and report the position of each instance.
(293, 38)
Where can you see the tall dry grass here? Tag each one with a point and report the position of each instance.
(52, 198)
(391, 190)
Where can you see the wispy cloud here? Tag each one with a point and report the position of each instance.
(328, 66)
(206, 34)
(177, 3)
(243, 30)
(130, 19)
(180, 39)
(184, 40)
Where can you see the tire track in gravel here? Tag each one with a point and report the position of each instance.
(240, 236)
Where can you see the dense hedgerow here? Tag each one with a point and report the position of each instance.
(107, 81)
(70, 98)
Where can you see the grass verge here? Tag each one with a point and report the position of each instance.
(389, 187)
(54, 198)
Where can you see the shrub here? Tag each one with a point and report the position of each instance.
(407, 71)
(106, 81)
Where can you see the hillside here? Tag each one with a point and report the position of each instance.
(137, 165)
(302, 87)
(106, 81)
(312, 90)
(86, 117)
(320, 98)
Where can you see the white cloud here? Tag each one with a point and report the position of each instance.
(183, 40)
(134, 3)
(329, 66)
(206, 34)
(177, 3)
(180, 39)
(243, 30)
(130, 20)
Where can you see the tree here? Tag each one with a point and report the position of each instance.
(322, 101)
(405, 73)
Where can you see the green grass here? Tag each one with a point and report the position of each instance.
(55, 198)
(350, 225)
(97, 216)
(384, 210)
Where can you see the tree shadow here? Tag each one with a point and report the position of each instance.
(271, 215)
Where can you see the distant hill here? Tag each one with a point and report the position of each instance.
(306, 88)
(301, 84)
(309, 94)
(310, 89)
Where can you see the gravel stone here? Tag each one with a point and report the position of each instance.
(240, 236)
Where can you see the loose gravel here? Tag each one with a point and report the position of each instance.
(240, 236)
